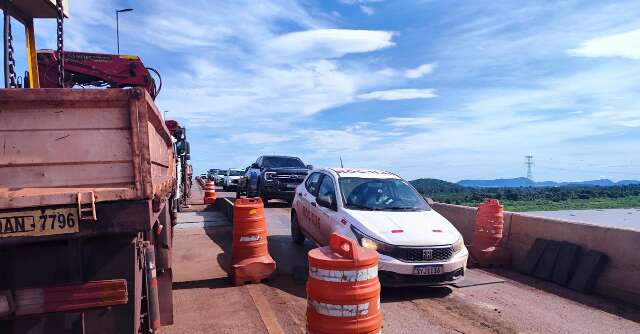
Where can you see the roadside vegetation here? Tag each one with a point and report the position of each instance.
(534, 198)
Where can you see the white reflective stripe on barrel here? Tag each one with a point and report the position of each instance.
(249, 238)
(343, 275)
(333, 310)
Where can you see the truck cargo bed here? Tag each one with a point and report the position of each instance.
(56, 143)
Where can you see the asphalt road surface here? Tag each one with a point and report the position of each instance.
(206, 302)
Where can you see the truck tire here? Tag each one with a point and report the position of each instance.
(296, 234)
(263, 196)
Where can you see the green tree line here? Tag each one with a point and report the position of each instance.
(533, 198)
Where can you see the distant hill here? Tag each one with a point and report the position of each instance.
(434, 185)
(600, 182)
(525, 182)
(627, 182)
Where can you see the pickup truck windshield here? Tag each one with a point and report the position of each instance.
(236, 173)
(380, 195)
(282, 162)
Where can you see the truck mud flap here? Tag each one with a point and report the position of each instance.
(151, 280)
(165, 296)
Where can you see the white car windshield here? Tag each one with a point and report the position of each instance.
(380, 194)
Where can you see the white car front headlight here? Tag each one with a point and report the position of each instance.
(458, 245)
(371, 243)
(368, 243)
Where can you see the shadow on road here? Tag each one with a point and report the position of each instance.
(278, 204)
(221, 282)
(621, 309)
(291, 260)
(223, 238)
(401, 294)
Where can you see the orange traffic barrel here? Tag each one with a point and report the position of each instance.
(249, 248)
(210, 192)
(343, 290)
(489, 224)
(249, 229)
(487, 237)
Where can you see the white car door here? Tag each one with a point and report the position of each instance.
(306, 193)
(327, 216)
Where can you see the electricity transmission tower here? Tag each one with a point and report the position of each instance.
(528, 161)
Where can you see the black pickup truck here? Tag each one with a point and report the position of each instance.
(273, 177)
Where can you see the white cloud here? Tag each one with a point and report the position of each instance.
(84, 16)
(419, 71)
(367, 10)
(326, 43)
(256, 138)
(625, 45)
(399, 94)
(334, 141)
(410, 121)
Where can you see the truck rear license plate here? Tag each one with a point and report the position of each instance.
(428, 269)
(37, 223)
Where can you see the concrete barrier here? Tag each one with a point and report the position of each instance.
(225, 205)
(621, 278)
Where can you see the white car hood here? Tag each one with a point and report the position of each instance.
(233, 177)
(405, 228)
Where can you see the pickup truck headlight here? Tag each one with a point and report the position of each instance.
(458, 245)
(269, 176)
(371, 243)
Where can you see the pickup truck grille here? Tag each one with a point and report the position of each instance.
(423, 254)
(289, 178)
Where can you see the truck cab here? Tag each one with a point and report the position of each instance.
(275, 177)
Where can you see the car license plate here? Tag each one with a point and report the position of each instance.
(37, 223)
(291, 186)
(428, 270)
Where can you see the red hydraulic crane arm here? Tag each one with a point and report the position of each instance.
(95, 69)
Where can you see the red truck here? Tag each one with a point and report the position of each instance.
(87, 182)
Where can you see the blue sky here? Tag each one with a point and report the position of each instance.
(442, 89)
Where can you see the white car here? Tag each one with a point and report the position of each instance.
(218, 177)
(381, 211)
(231, 178)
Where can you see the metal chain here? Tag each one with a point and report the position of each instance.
(60, 40)
(12, 62)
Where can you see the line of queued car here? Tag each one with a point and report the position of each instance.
(227, 178)
(378, 209)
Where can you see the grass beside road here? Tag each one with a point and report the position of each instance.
(570, 204)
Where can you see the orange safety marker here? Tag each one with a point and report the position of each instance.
(249, 251)
(209, 192)
(487, 247)
(343, 290)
